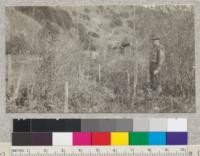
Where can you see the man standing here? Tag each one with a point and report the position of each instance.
(157, 58)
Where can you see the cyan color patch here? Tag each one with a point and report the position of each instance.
(157, 138)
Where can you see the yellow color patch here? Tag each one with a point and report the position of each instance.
(119, 138)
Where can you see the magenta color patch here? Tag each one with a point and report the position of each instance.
(81, 138)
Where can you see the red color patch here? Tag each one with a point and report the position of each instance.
(101, 138)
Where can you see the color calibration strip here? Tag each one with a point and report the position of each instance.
(99, 132)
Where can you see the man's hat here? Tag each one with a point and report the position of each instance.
(155, 37)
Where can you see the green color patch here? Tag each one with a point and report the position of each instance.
(138, 138)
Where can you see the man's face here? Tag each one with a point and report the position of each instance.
(155, 42)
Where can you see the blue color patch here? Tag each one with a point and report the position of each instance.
(157, 138)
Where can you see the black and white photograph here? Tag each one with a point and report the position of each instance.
(100, 59)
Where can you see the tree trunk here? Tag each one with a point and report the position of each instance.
(79, 76)
(9, 70)
(128, 85)
(135, 60)
(18, 82)
(99, 73)
(66, 97)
